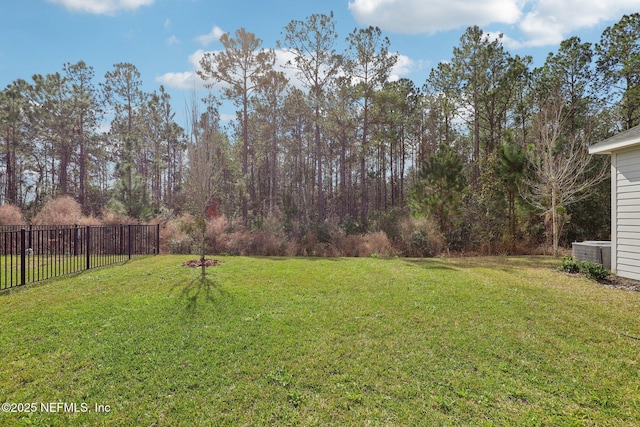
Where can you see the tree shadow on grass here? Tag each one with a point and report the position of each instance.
(199, 291)
(427, 263)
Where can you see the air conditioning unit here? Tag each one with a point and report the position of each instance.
(595, 251)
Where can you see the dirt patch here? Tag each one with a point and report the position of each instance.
(621, 283)
(208, 262)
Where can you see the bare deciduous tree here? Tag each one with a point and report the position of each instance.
(561, 172)
(203, 173)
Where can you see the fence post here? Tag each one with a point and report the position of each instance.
(158, 239)
(121, 241)
(23, 256)
(129, 241)
(88, 247)
(75, 239)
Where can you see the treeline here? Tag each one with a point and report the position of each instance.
(488, 149)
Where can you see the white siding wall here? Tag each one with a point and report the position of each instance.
(626, 214)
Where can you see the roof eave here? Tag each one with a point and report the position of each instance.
(608, 148)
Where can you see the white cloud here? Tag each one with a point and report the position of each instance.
(102, 7)
(551, 21)
(403, 67)
(420, 16)
(540, 22)
(182, 80)
(196, 57)
(167, 24)
(283, 59)
(185, 79)
(207, 39)
(173, 40)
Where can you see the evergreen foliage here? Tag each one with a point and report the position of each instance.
(439, 191)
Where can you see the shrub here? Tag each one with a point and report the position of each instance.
(180, 235)
(351, 226)
(215, 235)
(63, 210)
(594, 270)
(181, 244)
(173, 240)
(419, 238)
(390, 222)
(419, 243)
(111, 217)
(377, 244)
(589, 269)
(570, 265)
(187, 224)
(349, 245)
(89, 220)
(267, 244)
(237, 242)
(322, 232)
(11, 215)
(270, 239)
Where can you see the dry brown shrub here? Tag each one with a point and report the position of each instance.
(89, 220)
(256, 242)
(113, 218)
(307, 244)
(63, 210)
(272, 223)
(324, 250)
(11, 215)
(362, 245)
(173, 239)
(419, 238)
(237, 242)
(269, 240)
(348, 245)
(377, 244)
(188, 224)
(167, 231)
(293, 248)
(266, 244)
(179, 235)
(216, 228)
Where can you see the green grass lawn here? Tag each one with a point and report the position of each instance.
(43, 267)
(364, 341)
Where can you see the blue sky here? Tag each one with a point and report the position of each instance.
(165, 38)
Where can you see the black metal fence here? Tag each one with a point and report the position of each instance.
(32, 253)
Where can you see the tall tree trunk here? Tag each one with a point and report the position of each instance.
(245, 156)
(363, 178)
(343, 176)
(554, 221)
(274, 172)
(321, 213)
(83, 175)
(12, 188)
(476, 141)
(63, 176)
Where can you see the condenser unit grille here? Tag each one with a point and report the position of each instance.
(598, 252)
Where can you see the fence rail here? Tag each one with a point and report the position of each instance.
(30, 254)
